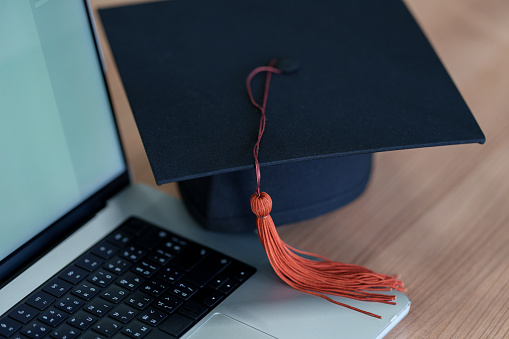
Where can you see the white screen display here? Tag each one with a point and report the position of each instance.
(58, 143)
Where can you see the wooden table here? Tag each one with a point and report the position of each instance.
(437, 216)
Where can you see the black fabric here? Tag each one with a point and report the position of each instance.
(368, 81)
(299, 190)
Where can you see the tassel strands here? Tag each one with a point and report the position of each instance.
(304, 271)
(319, 276)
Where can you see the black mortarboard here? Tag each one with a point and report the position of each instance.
(368, 81)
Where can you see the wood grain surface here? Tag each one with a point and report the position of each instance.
(437, 216)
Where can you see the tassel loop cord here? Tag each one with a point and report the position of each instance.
(269, 69)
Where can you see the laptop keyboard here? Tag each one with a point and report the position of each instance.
(140, 281)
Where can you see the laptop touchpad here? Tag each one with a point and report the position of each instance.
(222, 326)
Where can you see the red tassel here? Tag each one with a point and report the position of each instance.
(319, 276)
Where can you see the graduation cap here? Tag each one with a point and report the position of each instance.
(317, 86)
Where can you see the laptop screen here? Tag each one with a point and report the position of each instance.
(58, 140)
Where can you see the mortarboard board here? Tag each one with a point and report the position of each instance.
(368, 81)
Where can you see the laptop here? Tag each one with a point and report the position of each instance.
(84, 253)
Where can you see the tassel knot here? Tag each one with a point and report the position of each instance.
(261, 205)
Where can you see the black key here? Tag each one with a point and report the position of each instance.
(132, 253)
(146, 268)
(160, 256)
(130, 281)
(98, 307)
(139, 300)
(190, 257)
(152, 316)
(53, 317)
(107, 326)
(8, 326)
(89, 262)
(218, 281)
(86, 290)
(174, 244)
(123, 313)
(241, 271)
(18, 336)
(155, 287)
(92, 335)
(115, 294)
(151, 238)
(168, 303)
(183, 290)
(36, 330)
(23, 313)
(136, 330)
(170, 274)
(117, 265)
(176, 324)
(102, 278)
(73, 274)
(105, 250)
(228, 286)
(57, 287)
(119, 238)
(135, 226)
(82, 320)
(213, 298)
(65, 332)
(70, 304)
(193, 310)
(207, 269)
(40, 300)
